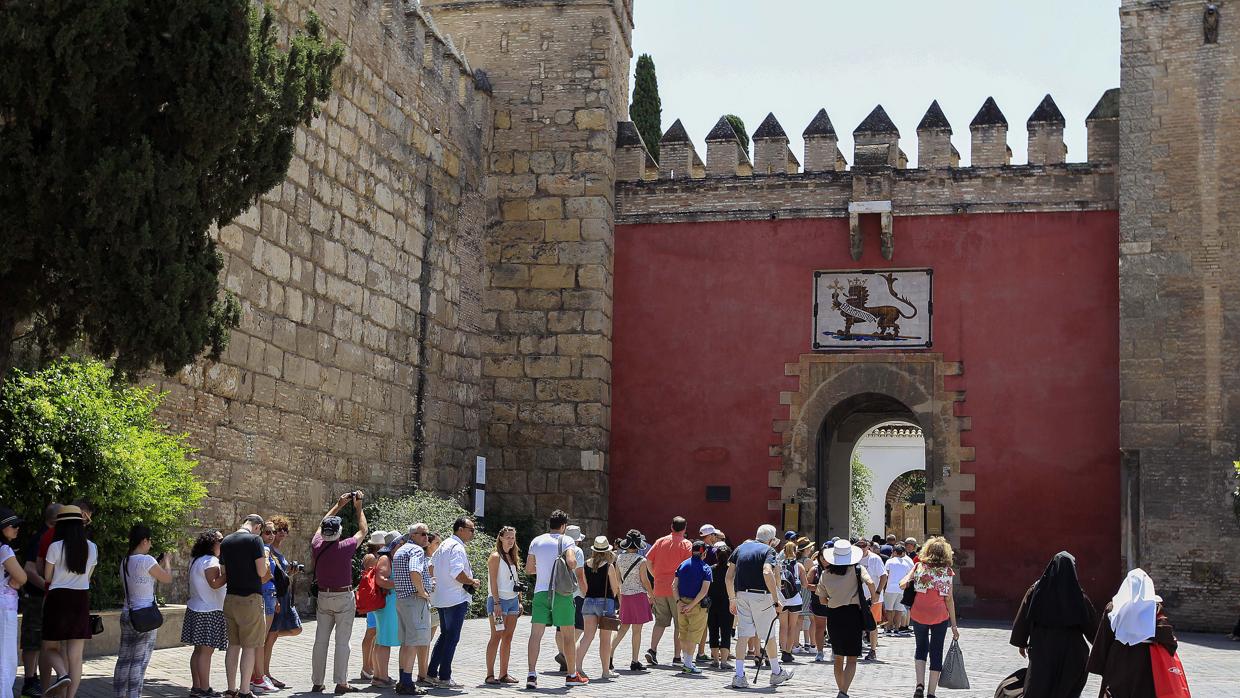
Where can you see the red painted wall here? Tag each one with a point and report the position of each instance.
(707, 314)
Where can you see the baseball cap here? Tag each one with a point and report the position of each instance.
(886, 550)
(330, 528)
(790, 535)
(707, 530)
(574, 533)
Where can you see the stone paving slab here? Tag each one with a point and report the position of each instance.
(1211, 661)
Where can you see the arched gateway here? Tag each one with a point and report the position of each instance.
(842, 396)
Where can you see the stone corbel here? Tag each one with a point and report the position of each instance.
(886, 240)
(854, 236)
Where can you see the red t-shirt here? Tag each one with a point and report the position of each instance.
(665, 557)
(45, 541)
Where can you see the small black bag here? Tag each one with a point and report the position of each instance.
(910, 591)
(143, 620)
(96, 624)
(867, 616)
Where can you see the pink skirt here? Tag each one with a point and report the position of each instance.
(635, 609)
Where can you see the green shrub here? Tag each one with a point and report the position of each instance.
(438, 513)
(70, 431)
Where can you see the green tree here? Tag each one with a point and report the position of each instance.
(128, 128)
(859, 486)
(738, 125)
(646, 111)
(69, 432)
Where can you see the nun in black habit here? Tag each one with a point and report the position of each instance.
(1051, 628)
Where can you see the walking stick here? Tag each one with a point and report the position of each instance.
(762, 649)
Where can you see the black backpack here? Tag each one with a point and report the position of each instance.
(789, 581)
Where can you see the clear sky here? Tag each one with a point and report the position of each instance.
(793, 57)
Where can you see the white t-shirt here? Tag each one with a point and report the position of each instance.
(202, 598)
(62, 578)
(897, 569)
(873, 564)
(138, 582)
(8, 595)
(545, 549)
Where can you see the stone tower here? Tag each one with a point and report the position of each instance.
(1179, 251)
(559, 72)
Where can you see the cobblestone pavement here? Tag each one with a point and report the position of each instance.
(1212, 663)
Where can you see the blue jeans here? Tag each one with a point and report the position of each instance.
(929, 640)
(450, 621)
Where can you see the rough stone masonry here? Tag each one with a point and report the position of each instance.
(433, 281)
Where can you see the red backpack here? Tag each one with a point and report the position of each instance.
(369, 597)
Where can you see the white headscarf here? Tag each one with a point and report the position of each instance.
(1134, 609)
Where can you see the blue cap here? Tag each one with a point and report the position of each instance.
(790, 535)
(885, 550)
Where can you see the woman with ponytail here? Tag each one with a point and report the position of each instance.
(70, 561)
(139, 572)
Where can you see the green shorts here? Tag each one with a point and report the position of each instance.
(561, 614)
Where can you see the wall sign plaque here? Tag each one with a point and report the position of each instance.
(872, 308)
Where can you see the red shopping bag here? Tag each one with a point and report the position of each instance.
(1169, 678)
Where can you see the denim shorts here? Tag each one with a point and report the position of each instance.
(508, 606)
(269, 602)
(598, 607)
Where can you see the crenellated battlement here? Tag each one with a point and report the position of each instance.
(729, 187)
(876, 144)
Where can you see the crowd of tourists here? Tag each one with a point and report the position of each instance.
(759, 605)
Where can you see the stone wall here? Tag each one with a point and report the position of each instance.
(357, 360)
(1179, 329)
(560, 70)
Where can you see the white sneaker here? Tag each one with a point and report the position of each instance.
(739, 682)
(782, 676)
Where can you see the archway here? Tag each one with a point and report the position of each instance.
(842, 429)
(888, 452)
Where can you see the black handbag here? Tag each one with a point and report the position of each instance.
(910, 591)
(867, 616)
(96, 624)
(145, 619)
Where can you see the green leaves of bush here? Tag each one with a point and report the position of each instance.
(398, 514)
(68, 432)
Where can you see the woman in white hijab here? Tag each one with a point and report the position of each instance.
(1121, 651)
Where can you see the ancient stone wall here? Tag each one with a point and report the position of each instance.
(357, 360)
(559, 69)
(1179, 331)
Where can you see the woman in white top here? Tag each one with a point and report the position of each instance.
(503, 604)
(70, 561)
(139, 572)
(14, 578)
(635, 594)
(205, 627)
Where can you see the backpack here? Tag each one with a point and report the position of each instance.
(369, 597)
(563, 580)
(789, 581)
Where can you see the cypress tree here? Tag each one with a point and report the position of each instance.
(739, 126)
(646, 111)
(128, 128)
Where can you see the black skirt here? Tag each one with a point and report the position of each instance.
(844, 627)
(66, 615)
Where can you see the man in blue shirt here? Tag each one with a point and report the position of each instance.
(753, 593)
(691, 585)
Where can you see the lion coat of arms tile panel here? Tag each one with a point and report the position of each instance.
(873, 308)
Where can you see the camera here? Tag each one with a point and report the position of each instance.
(469, 588)
(296, 566)
(353, 494)
(520, 587)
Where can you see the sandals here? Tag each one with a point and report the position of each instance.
(492, 681)
(507, 679)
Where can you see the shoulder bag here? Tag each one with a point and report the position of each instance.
(314, 580)
(867, 616)
(910, 591)
(145, 619)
